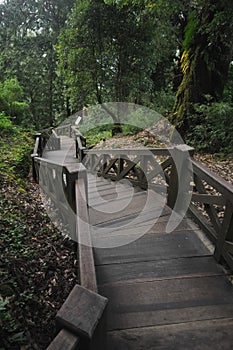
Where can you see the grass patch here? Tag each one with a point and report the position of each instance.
(104, 132)
(98, 134)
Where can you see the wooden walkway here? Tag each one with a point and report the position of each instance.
(165, 290)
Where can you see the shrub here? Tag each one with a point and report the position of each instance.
(212, 128)
(6, 126)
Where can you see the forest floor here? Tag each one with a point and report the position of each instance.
(38, 268)
(38, 265)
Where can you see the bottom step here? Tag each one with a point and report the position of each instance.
(203, 335)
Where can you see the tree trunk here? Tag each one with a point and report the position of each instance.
(205, 61)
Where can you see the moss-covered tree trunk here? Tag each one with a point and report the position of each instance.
(205, 60)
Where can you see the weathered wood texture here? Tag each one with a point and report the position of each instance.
(166, 282)
(156, 270)
(85, 251)
(81, 312)
(65, 340)
(165, 290)
(153, 247)
(216, 196)
(83, 309)
(202, 335)
(165, 302)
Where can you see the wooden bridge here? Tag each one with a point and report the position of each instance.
(149, 278)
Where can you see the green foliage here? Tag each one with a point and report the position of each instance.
(6, 126)
(190, 30)
(99, 63)
(28, 38)
(98, 134)
(128, 129)
(228, 91)
(212, 128)
(163, 101)
(11, 101)
(104, 132)
(11, 334)
(16, 146)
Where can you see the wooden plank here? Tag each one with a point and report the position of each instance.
(208, 199)
(121, 208)
(157, 270)
(153, 247)
(108, 184)
(108, 192)
(102, 198)
(106, 237)
(65, 340)
(144, 216)
(85, 252)
(202, 335)
(140, 198)
(111, 189)
(168, 301)
(81, 312)
(150, 223)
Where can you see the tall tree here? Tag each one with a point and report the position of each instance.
(206, 57)
(106, 53)
(28, 38)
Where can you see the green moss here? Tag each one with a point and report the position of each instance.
(190, 30)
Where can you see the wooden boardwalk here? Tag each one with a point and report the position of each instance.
(165, 291)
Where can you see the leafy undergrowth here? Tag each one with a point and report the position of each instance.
(38, 269)
(37, 264)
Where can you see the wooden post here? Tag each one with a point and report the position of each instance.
(81, 312)
(226, 231)
(120, 167)
(179, 182)
(73, 172)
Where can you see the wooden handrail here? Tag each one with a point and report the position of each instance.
(77, 196)
(132, 164)
(219, 231)
(86, 258)
(213, 179)
(131, 151)
(65, 340)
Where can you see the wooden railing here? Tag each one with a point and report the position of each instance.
(46, 140)
(212, 208)
(66, 186)
(154, 168)
(80, 141)
(172, 172)
(49, 140)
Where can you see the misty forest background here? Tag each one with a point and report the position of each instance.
(172, 56)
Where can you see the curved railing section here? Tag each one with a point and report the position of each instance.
(212, 208)
(70, 181)
(211, 197)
